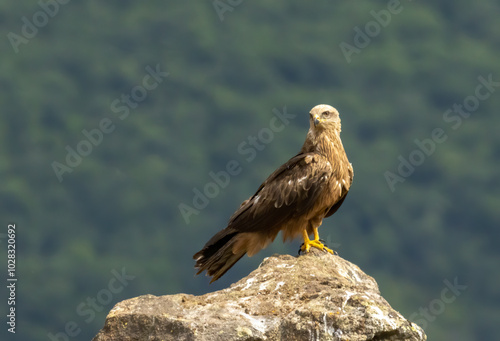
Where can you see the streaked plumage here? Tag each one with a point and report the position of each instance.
(295, 198)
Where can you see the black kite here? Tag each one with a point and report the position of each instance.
(294, 199)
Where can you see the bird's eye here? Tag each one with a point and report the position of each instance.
(326, 114)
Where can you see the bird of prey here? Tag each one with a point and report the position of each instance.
(294, 199)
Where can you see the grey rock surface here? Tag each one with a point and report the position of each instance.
(317, 296)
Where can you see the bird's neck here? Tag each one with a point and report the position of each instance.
(325, 143)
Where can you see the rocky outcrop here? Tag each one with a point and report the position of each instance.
(316, 296)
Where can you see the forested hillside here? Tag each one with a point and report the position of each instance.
(131, 131)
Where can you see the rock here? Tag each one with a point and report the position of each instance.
(316, 296)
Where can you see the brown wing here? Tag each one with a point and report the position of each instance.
(290, 191)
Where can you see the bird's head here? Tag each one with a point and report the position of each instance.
(324, 117)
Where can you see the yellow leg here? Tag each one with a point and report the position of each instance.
(316, 234)
(315, 242)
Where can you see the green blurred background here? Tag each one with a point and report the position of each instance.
(72, 66)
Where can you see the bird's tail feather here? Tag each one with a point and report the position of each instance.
(219, 255)
(226, 248)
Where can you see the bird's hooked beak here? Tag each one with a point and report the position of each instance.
(316, 120)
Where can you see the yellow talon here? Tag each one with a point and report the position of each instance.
(315, 242)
